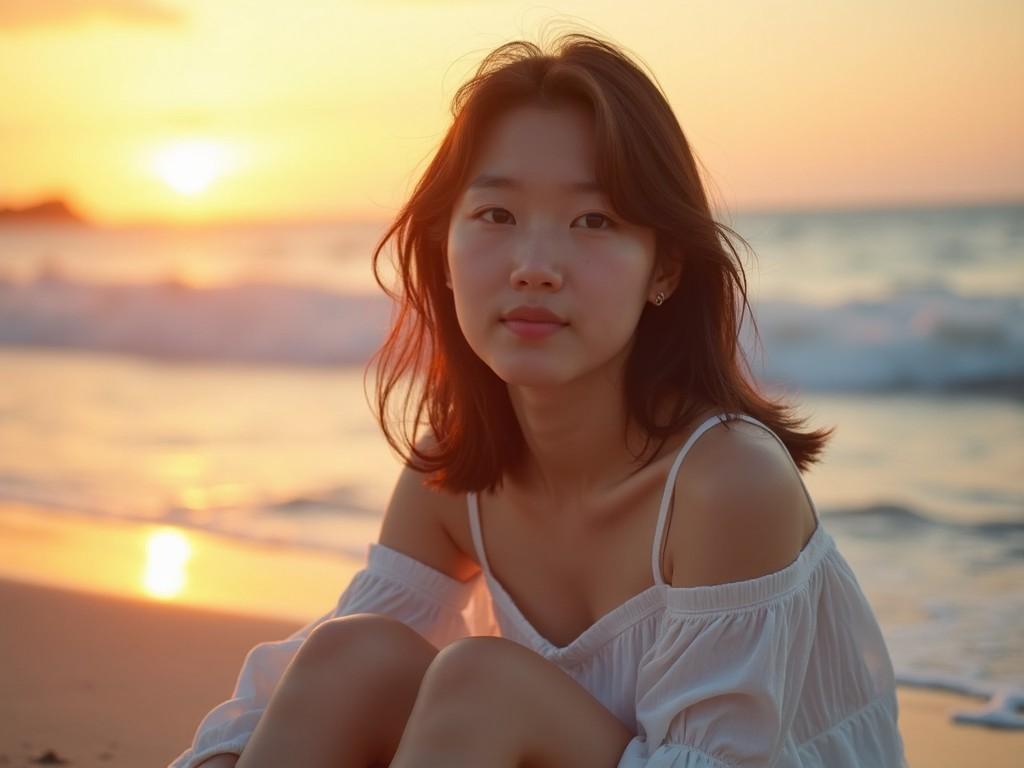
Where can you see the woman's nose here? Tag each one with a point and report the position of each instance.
(534, 274)
(535, 266)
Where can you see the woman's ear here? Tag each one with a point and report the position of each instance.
(666, 276)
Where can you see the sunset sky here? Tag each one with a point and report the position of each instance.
(198, 110)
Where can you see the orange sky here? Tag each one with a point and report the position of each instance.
(195, 110)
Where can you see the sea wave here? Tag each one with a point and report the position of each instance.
(247, 322)
(919, 339)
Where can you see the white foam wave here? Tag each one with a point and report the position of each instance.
(252, 322)
(925, 338)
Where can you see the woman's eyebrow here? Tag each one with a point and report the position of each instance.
(490, 181)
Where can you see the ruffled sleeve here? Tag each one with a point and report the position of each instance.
(440, 608)
(787, 669)
(719, 688)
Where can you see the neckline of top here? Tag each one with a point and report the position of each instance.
(701, 599)
(717, 598)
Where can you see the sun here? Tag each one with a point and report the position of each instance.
(190, 166)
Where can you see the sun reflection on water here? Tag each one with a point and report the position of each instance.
(167, 552)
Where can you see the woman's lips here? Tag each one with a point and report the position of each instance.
(529, 329)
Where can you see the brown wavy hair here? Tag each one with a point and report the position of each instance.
(686, 350)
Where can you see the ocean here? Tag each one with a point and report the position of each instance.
(212, 378)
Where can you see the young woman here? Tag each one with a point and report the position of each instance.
(553, 584)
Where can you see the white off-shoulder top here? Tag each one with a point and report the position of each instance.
(787, 669)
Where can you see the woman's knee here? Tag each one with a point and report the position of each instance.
(364, 641)
(348, 688)
(471, 665)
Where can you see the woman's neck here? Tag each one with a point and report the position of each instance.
(578, 450)
(579, 455)
(575, 446)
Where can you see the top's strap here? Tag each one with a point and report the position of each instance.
(666, 497)
(474, 527)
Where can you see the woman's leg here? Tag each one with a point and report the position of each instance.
(345, 698)
(490, 701)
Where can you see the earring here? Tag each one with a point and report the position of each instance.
(659, 299)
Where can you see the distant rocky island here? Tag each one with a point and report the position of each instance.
(46, 212)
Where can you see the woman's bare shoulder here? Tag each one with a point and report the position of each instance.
(420, 521)
(740, 509)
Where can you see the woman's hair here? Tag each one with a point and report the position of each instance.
(686, 352)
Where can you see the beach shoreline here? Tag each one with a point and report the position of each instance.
(102, 680)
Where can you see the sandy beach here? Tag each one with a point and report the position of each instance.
(111, 681)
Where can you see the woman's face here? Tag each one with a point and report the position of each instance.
(522, 234)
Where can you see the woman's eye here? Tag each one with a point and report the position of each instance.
(596, 218)
(500, 214)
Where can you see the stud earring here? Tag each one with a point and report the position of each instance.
(659, 299)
